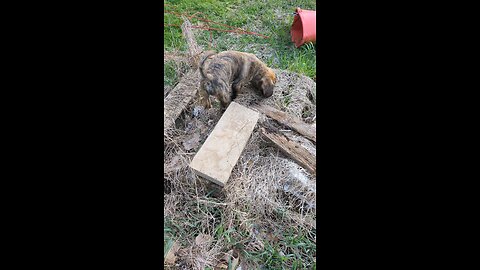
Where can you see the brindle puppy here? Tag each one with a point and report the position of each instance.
(225, 73)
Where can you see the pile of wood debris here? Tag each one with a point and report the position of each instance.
(274, 179)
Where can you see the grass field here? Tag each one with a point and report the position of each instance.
(284, 247)
(272, 18)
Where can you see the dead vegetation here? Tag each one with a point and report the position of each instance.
(266, 193)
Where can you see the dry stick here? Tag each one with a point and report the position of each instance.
(289, 121)
(291, 149)
(193, 49)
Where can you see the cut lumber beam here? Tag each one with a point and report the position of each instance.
(179, 98)
(291, 149)
(222, 149)
(288, 120)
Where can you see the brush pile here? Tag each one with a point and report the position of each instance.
(267, 192)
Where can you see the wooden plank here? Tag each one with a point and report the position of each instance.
(179, 98)
(222, 149)
(290, 121)
(291, 149)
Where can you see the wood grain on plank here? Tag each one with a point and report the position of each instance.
(291, 149)
(290, 121)
(179, 98)
(193, 49)
(222, 149)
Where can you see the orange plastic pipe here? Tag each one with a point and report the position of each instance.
(304, 27)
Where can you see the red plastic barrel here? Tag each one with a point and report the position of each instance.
(304, 27)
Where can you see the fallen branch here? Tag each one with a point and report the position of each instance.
(179, 98)
(193, 49)
(291, 149)
(290, 121)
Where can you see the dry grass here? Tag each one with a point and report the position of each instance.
(213, 228)
(265, 194)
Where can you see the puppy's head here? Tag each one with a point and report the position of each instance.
(267, 82)
(219, 89)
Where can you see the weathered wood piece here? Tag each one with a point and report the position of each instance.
(222, 149)
(290, 121)
(179, 98)
(193, 49)
(291, 149)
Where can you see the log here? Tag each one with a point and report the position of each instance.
(292, 149)
(193, 49)
(290, 121)
(222, 149)
(179, 98)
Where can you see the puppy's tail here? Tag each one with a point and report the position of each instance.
(201, 67)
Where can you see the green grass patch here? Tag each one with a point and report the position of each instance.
(294, 250)
(169, 74)
(172, 72)
(272, 18)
